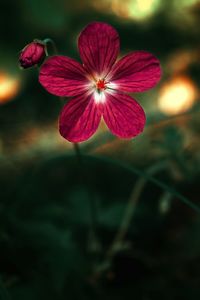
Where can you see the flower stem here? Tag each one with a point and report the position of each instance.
(77, 152)
(50, 41)
(130, 209)
(117, 243)
(84, 178)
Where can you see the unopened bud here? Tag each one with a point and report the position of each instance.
(32, 54)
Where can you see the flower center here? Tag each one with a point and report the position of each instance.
(101, 85)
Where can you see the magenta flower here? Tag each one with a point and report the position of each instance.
(98, 85)
(32, 54)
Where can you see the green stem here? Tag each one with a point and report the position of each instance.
(84, 178)
(152, 179)
(93, 213)
(77, 153)
(144, 178)
(50, 41)
(130, 209)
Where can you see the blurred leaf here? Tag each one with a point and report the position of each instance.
(4, 294)
(111, 217)
(79, 206)
(46, 14)
(173, 139)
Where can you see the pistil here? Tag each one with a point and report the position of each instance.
(101, 85)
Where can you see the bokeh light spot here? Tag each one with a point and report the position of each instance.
(185, 3)
(9, 87)
(177, 96)
(129, 9)
(140, 9)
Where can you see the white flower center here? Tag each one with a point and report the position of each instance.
(99, 97)
(100, 88)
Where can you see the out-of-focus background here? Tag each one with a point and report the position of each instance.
(123, 221)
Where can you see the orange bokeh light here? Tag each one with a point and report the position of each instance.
(177, 96)
(9, 87)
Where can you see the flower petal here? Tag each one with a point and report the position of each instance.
(136, 72)
(79, 118)
(98, 46)
(63, 76)
(123, 115)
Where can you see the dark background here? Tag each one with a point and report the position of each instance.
(122, 220)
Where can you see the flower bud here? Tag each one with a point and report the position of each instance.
(32, 54)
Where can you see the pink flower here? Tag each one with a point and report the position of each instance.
(98, 86)
(32, 54)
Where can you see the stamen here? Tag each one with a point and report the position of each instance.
(101, 84)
